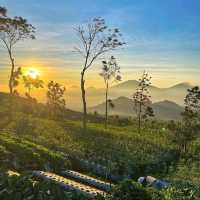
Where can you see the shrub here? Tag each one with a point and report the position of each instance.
(183, 191)
(129, 190)
(26, 187)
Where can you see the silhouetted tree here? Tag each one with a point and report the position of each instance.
(186, 131)
(16, 76)
(3, 12)
(192, 104)
(95, 40)
(31, 83)
(110, 73)
(141, 99)
(55, 97)
(13, 30)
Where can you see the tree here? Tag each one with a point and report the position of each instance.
(182, 135)
(110, 73)
(186, 131)
(13, 30)
(95, 40)
(3, 12)
(55, 96)
(16, 76)
(192, 104)
(31, 83)
(141, 100)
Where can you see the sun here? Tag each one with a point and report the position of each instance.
(33, 73)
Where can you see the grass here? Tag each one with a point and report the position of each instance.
(19, 154)
(126, 150)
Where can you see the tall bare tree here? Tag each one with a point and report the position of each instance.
(13, 30)
(95, 40)
(110, 73)
(141, 99)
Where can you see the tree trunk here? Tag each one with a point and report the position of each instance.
(11, 72)
(139, 118)
(106, 112)
(84, 100)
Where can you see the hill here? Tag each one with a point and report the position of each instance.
(32, 141)
(165, 110)
(174, 93)
(95, 96)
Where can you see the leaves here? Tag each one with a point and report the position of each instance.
(3, 11)
(55, 96)
(110, 70)
(192, 104)
(31, 83)
(96, 39)
(15, 29)
(141, 97)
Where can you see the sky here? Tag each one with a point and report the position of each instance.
(162, 37)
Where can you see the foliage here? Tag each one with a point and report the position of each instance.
(192, 102)
(119, 148)
(31, 83)
(55, 98)
(110, 73)
(28, 155)
(95, 40)
(3, 11)
(129, 190)
(183, 191)
(13, 30)
(16, 76)
(27, 187)
(141, 100)
(183, 134)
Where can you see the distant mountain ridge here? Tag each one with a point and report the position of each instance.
(134, 83)
(164, 110)
(95, 96)
(175, 93)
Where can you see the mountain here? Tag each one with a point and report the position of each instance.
(184, 85)
(175, 93)
(96, 96)
(126, 84)
(165, 110)
(130, 84)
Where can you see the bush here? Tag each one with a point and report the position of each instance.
(29, 156)
(129, 190)
(183, 191)
(26, 187)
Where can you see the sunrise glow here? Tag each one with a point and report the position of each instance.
(33, 73)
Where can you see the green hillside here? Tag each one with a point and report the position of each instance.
(33, 141)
